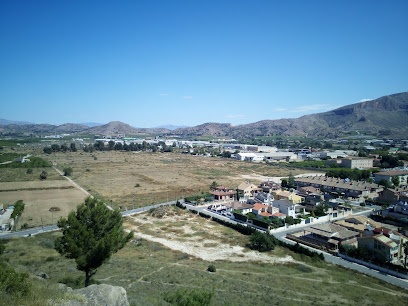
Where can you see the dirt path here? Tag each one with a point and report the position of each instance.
(77, 186)
(217, 252)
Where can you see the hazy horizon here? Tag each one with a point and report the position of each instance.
(188, 63)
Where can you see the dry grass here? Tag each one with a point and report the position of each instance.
(147, 269)
(38, 203)
(113, 175)
(20, 174)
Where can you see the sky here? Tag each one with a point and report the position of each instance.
(151, 63)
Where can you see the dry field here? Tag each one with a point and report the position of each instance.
(180, 230)
(114, 175)
(45, 201)
(20, 174)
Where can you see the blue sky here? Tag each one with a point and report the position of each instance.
(149, 63)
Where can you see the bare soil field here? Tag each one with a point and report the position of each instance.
(31, 185)
(191, 234)
(140, 178)
(38, 204)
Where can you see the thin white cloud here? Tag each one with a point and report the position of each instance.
(365, 100)
(234, 116)
(280, 109)
(164, 94)
(307, 108)
(311, 108)
(187, 97)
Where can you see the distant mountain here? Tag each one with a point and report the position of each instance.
(113, 128)
(91, 124)
(207, 129)
(385, 116)
(27, 129)
(5, 122)
(170, 127)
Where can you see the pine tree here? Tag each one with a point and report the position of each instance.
(91, 235)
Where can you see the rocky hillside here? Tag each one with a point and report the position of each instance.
(385, 116)
(41, 128)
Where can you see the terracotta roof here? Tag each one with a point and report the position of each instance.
(265, 214)
(278, 214)
(259, 206)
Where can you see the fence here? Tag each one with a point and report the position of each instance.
(375, 267)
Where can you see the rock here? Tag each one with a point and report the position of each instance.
(100, 295)
(43, 275)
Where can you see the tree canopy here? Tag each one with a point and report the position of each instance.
(90, 235)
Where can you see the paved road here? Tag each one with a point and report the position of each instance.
(143, 209)
(50, 228)
(29, 232)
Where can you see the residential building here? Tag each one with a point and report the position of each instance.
(287, 195)
(393, 195)
(242, 207)
(223, 193)
(247, 190)
(381, 246)
(262, 210)
(361, 224)
(357, 163)
(327, 235)
(388, 175)
(286, 207)
(353, 189)
(264, 198)
(398, 211)
(269, 186)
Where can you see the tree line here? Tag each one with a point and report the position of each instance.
(60, 148)
(118, 146)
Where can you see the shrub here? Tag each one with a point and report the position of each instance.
(179, 205)
(262, 242)
(67, 171)
(43, 175)
(211, 268)
(185, 297)
(29, 171)
(12, 282)
(204, 215)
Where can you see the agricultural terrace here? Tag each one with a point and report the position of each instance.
(141, 178)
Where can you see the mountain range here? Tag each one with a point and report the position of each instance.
(385, 116)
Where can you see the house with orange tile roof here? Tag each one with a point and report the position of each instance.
(263, 210)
